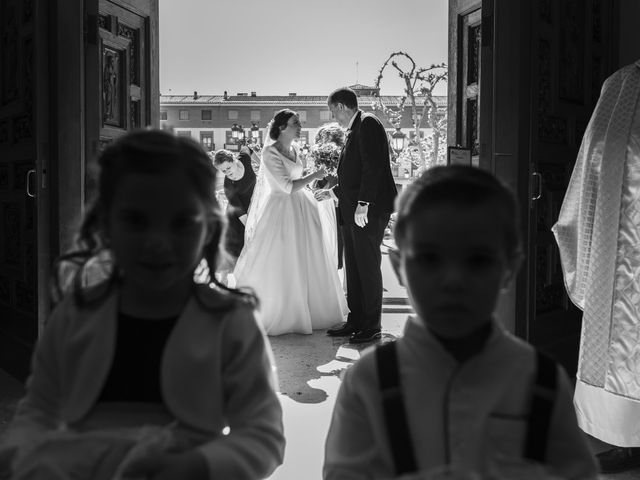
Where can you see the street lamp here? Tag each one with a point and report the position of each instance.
(397, 143)
(237, 133)
(397, 140)
(255, 133)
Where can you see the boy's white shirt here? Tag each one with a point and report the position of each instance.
(485, 401)
(217, 370)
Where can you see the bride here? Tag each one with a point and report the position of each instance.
(284, 258)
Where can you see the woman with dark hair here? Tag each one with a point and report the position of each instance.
(239, 183)
(285, 259)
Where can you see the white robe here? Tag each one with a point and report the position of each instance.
(598, 233)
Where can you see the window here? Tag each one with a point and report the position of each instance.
(184, 133)
(206, 139)
(230, 142)
(255, 115)
(233, 114)
(303, 115)
(206, 115)
(325, 115)
(183, 115)
(163, 114)
(304, 137)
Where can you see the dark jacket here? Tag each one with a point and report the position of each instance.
(364, 170)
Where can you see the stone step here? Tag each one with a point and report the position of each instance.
(395, 301)
(398, 309)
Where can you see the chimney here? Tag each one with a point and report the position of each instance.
(253, 94)
(292, 94)
(225, 95)
(195, 95)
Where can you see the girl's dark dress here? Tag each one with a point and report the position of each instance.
(239, 194)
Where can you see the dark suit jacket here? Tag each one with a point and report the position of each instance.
(364, 170)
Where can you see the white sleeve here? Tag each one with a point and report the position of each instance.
(273, 162)
(351, 452)
(254, 446)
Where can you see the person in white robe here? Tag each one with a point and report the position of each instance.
(598, 234)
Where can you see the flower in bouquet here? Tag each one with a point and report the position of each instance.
(330, 133)
(325, 155)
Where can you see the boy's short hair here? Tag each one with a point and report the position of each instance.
(222, 156)
(464, 186)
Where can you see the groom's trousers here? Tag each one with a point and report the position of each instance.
(362, 260)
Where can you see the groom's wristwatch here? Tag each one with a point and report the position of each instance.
(363, 204)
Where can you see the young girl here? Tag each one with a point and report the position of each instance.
(148, 346)
(457, 391)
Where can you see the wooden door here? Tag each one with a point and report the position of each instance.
(23, 178)
(122, 83)
(542, 63)
(571, 55)
(465, 70)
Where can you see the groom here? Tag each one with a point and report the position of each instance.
(365, 194)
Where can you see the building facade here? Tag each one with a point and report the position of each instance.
(211, 119)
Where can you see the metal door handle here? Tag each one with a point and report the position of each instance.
(29, 173)
(539, 185)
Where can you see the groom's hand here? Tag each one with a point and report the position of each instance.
(322, 194)
(360, 217)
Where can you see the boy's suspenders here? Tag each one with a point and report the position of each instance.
(542, 401)
(395, 416)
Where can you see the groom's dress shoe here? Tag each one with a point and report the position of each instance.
(342, 330)
(365, 335)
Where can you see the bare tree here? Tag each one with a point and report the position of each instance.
(419, 82)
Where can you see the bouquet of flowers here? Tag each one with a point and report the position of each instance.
(325, 155)
(328, 144)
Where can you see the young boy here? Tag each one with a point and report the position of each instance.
(463, 392)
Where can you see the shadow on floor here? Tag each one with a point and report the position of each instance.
(304, 361)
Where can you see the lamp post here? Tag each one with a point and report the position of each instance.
(255, 134)
(397, 140)
(397, 143)
(237, 132)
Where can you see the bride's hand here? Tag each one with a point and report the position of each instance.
(321, 172)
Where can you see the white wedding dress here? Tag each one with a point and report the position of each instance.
(285, 258)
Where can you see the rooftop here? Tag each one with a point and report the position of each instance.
(307, 100)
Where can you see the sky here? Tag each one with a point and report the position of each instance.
(277, 47)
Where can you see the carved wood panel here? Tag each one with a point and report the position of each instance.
(471, 33)
(123, 58)
(122, 52)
